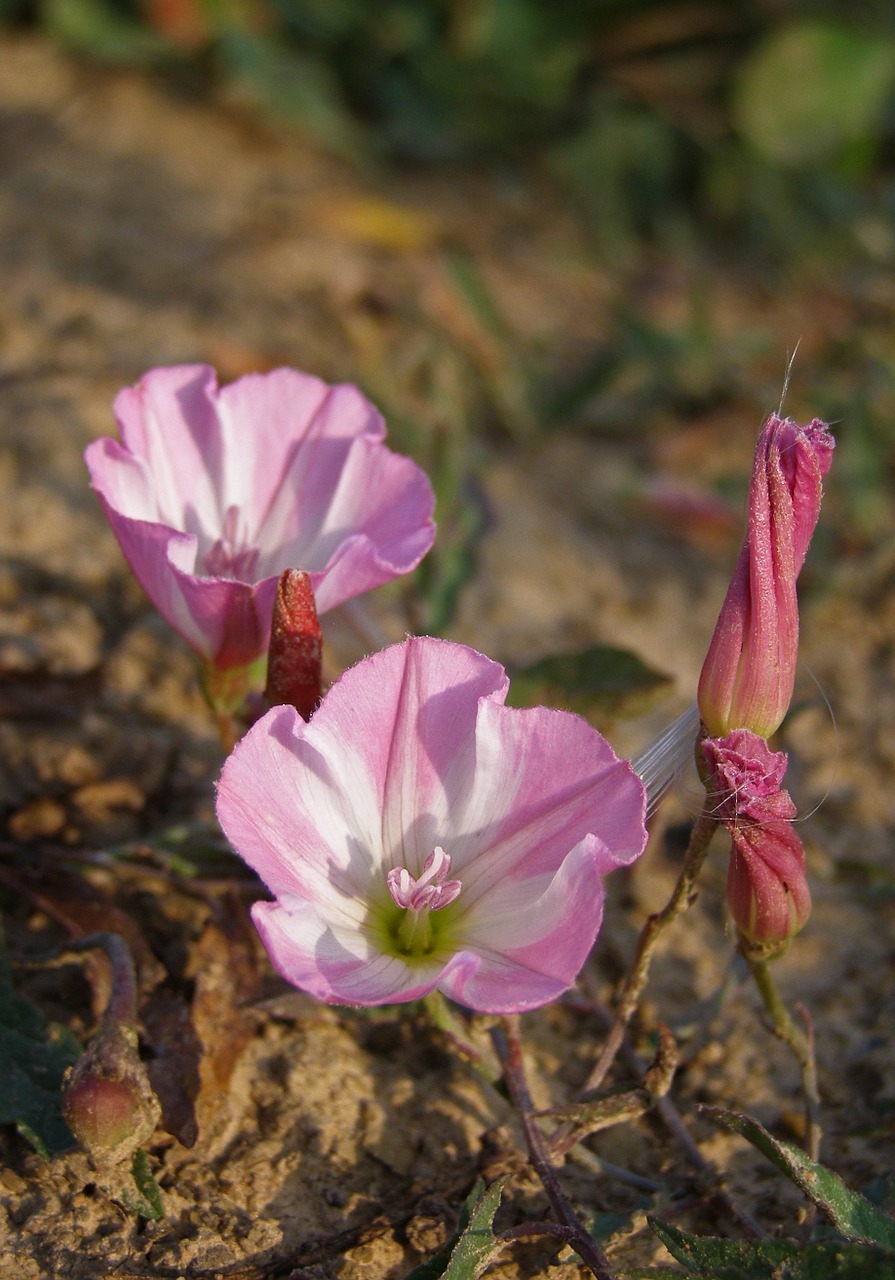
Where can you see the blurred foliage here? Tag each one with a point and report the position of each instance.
(601, 683)
(650, 110)
(682, 130)
(34, 1056)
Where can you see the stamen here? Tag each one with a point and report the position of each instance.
(432, 890)
(231, 556)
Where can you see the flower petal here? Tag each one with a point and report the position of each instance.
(302, 824)
(226, 622)
(274, 472)
(410, 752)
(543, 781)
(531, 937)
(169, 421)
(311, 955)
(406, 718)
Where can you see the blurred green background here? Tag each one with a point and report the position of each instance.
(714, 139)
(771, 119)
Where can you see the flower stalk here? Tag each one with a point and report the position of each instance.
(681, 898)
(508, 1046)
(107, 1100)
(799, 1041)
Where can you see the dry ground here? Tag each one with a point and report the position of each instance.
(139, 229)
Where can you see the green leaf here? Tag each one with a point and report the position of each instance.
(34, 1055)
(599, 682)
(811, 88)
(147, 1201)
(101, 30)
(711, 1258)
(852, 1215)
(475, 1246)
(296, 87)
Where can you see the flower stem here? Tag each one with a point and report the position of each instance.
(227, 730)
(680, 899)
(509, 1049)
(799, 1041)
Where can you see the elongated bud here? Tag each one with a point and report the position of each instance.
(296, 646)
(748, 675)
(767, 884)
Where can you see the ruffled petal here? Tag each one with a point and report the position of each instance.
(409, 715)
(532, 936)
(169, 421)
(411, 751)
(274, 472)
(543, 781)
(272, 427)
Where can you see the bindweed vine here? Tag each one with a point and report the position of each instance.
(421, 840)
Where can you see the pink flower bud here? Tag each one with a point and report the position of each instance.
(296, 646)
(767, 886)
(748, 675)
(107, 1100)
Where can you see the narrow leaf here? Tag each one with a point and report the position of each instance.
(852, 1215)
(475, 1246)
(148, 1201)
(711, 1258)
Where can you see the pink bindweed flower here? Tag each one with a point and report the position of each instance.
(417, 833)
(767, 885)
(748, 675)
(213, 493)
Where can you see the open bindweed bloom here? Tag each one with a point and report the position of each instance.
(748, 675)
(213, 493)
(767, 884)
(418, 833)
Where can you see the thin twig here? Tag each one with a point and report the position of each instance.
(509, 1050)
(652, 930)
(676, 1125)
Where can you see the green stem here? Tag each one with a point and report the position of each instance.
(800, 1042)
(656, 924)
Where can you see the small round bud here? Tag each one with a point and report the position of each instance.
(107, 1100)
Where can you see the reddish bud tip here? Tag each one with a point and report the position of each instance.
(296, 646)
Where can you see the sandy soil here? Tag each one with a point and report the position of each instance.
(138, 229)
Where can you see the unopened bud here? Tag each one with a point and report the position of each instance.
(107, 1100)
(748, 675)
(767, 883)
(294, 676)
